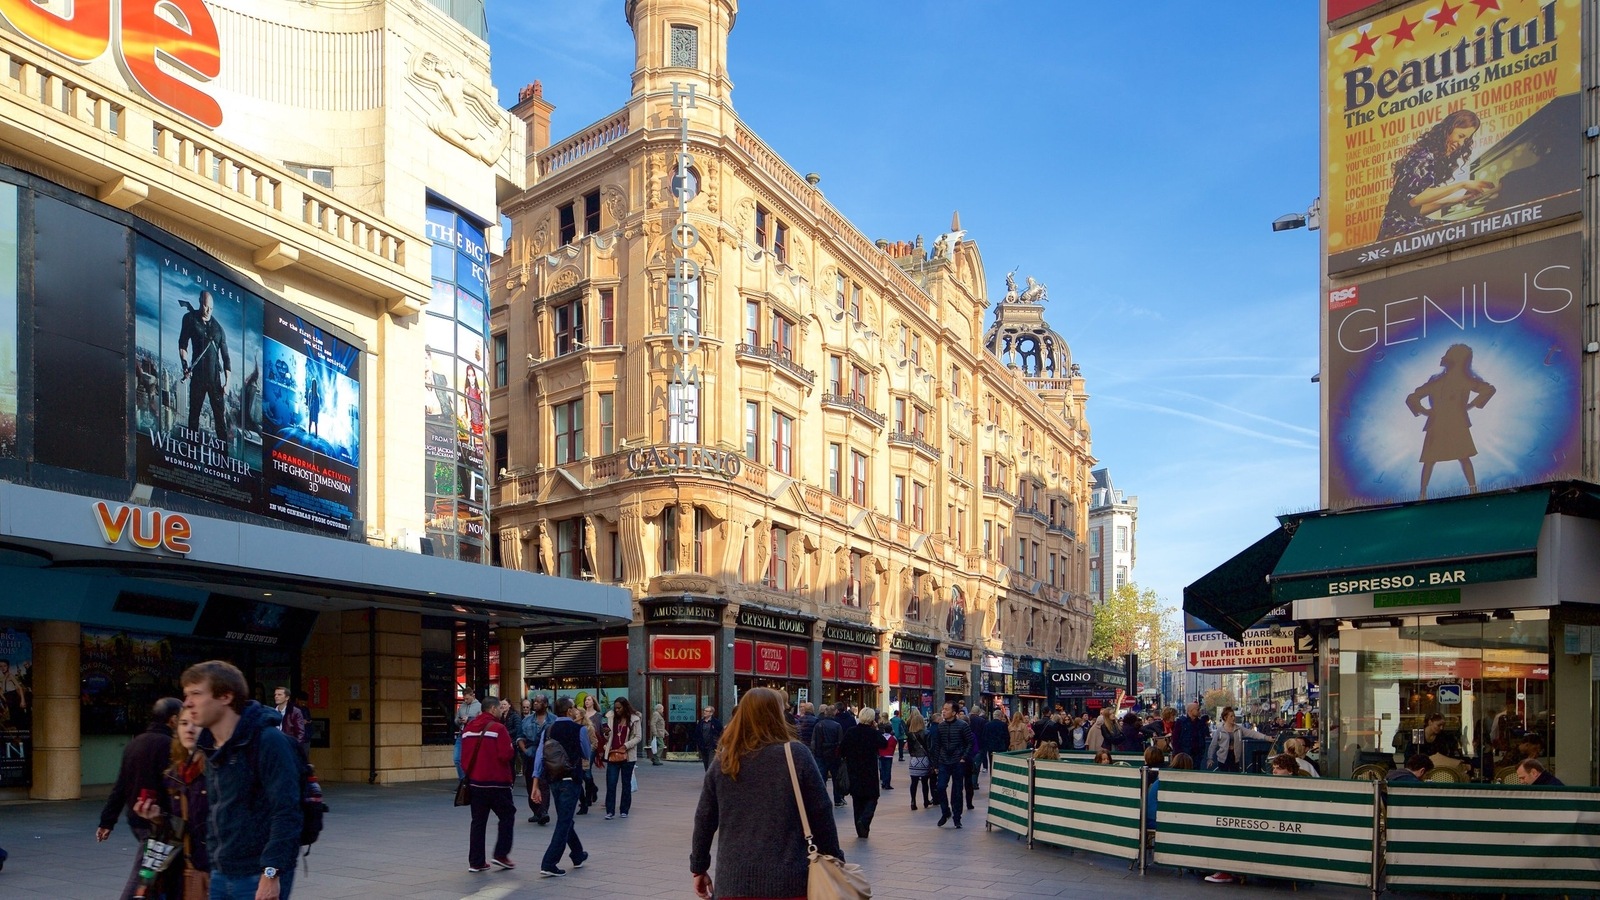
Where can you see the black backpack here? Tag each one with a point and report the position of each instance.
(557, 765)
(312, 806)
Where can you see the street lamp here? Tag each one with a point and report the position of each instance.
(1310, 220)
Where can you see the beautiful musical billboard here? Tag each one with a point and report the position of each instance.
(240, 402)
(1462, 377)
(1451, 123)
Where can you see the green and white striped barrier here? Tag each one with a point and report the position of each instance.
(1306, 829)
(1010, 790)
(1453, 837)
(1087, 807)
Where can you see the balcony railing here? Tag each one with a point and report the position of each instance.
(916, 442)
(995, 490)
(855, 406)
(584, 143)
(1062, 529)
(779, 358)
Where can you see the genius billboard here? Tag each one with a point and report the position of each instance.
(1451, 124)
(1461, 377)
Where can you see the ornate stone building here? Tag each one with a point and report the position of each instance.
(797, 448)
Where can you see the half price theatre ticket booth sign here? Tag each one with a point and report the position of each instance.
(1270, 645)
(1451, 123)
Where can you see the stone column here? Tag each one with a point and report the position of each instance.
(57, 711)
(938, 684)
(638, 687)
(884, 687)
(814, 664)
(725, 694)
(512, 684)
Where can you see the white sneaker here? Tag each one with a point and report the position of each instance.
(1220, 878)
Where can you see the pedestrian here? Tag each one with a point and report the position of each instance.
(1078, 734)
(825, 740)
(1021, 733)
(950, 749)
(530, 735)
(921, 769)
(468, 709)
(860, 749)
(979, 723)
(141, 776)
(598, 736)
(1131, 738)
(805, 722)
(897, 726)
(886, 756)
(185, 785)
(996, 737)
(707, 732)
(1532, 772)
(1190, 734)
(486, 747)
(658, 734)
(294, 721)
(565, 787)
(748, 804)
(622, 753)
(1226, 752)
(253, 783)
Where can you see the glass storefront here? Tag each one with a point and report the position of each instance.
(1487, 675)
(684, 696)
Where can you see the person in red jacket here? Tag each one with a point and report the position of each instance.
(486, 756)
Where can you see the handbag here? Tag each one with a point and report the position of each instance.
(463, 791)
(827, 877)
(196, 884)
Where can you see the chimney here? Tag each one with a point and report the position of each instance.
(534, 111)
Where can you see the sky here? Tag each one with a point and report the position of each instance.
(1131, 157)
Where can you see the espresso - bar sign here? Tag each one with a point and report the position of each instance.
(675, 653)
(749, 618)
(849, 634)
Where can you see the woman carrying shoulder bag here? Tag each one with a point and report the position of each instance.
(921, 765)
(622, 753)
(1226, 753)
(748, 804)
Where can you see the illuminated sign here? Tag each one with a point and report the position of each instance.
(684, 458)
(165, 47)
(146, 529)
(673, 653)
(683, 286)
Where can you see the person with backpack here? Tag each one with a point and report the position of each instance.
(486, 752)
(558, 764)
(825, 739)
(254, 784)
(530, 734)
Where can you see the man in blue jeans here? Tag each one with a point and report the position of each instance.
(949, 750)
(564, 790)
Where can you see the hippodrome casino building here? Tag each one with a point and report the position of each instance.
(222, 430)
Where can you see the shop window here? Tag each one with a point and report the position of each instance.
(608, 428)
(858, 478)
(783, 443)
(608, 317)
(752, 429)
(566, 223)
(569, 431)
(500, 369)
(835, 476)
(591, 212)
(778, 561)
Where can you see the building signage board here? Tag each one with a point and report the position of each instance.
(684, 612)
(754, 618)
(682, 653)
(953, 651)
(849, 667)
(16, 708)
(771, 659)
(850, 634)
(143, 529)
(1262, 649)
(905, 643)
(1451, 124)
(1467, 368)
(674, 458)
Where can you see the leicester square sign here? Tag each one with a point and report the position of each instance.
(166, 49)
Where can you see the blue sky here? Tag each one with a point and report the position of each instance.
(1129, 156)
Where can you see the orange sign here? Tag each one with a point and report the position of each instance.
(166, 47)
(147, 529)
(673, 653)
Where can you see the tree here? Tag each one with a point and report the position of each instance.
(1217, 698)
(1134, 621)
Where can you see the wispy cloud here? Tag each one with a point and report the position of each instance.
(1209, 421)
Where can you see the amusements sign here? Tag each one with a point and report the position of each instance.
(1457, 377)
(240, 402)
(1449, 124)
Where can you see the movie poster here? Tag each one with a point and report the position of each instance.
(1462, 377)
(197, 381)
(8, 320)
(312, 407)
(16, 708)
(1451, 123)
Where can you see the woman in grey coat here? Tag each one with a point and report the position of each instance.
(1226, 753)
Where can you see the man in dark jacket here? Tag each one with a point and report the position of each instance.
(486, 752)
(253, 782)
(805, 722)
(996, 738)
(143, 761)
(825, 740)
(564, 791)
(1190, 734)
(707, 734)
(949, 752)
(859, 750)
(530, 734)
(979, 724)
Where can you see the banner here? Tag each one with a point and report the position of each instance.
(240, 402)
(16, 708)
(1451, 123)
(8, 320)
(1463, 376)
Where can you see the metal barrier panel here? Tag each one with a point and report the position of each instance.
(1008, 792)
(1308, 829)
(1089, 807)
(1494, 838)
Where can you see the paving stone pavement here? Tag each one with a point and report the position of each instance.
(407, 841)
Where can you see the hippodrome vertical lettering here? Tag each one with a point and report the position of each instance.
(683, 292)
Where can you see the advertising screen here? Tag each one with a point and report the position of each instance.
(1450, 124)
(8, 320)
(1460, 377)
(240, 402)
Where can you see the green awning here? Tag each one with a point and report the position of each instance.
(1438, 543)
(1236, 595)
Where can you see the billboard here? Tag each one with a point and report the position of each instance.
(240, 402)
(1460, 377)
(1450, 124)
(8, 320)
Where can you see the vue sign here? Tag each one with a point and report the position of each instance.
(163, 46)
(147, 529)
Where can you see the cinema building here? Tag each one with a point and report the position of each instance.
(220, 278)
(1452, 567)
(819, 463)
